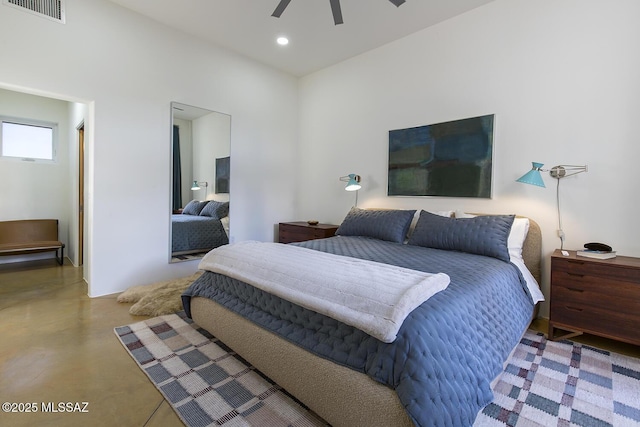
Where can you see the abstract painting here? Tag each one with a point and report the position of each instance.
(223, 172)
(451, 159)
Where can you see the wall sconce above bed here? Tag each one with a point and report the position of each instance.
(197, 186)
(353, 183)
(534, 177)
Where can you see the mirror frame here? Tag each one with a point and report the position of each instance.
(190, 113)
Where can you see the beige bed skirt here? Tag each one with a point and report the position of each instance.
(340, 395)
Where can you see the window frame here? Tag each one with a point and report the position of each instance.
(34, 123)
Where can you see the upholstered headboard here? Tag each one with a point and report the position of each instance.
(532, 250)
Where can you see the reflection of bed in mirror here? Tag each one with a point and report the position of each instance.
(200, 227)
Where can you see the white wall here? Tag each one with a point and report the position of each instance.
(211, 136)
(31, 190)
(128, 69)
(561, 78)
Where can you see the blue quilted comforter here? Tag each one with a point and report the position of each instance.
(448, 350)
(196, 233)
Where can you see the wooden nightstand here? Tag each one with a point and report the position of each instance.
(300, 231)
(599, 297)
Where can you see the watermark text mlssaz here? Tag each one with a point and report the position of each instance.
(47, 407)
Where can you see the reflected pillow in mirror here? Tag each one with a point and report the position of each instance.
(215, 209)
(194, 207)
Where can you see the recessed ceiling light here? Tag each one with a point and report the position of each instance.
(282, 41)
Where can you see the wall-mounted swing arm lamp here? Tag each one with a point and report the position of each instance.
(534, 177)
(197, 185)
(353, 183)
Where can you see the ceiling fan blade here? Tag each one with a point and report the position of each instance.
(280, 8)
(397, 2)
(337, 11)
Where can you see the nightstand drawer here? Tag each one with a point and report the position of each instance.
(579, 267)
(596, 320)
(598, 289)
(290, 232)
(298, 235)
(610, 299)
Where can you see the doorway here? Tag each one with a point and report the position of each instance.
(81, 194)
(62, 187)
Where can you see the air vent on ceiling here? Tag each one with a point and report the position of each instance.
(50, 9)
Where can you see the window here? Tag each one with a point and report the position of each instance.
(28, 140)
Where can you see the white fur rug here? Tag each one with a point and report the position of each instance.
(157, 299)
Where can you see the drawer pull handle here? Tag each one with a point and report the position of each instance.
(573, 308)
(575, 274)
(576, 290)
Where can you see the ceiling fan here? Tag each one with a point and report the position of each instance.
(335, 9)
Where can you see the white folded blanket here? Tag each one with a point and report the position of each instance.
(370, 296)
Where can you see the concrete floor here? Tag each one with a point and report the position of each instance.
(58, 345)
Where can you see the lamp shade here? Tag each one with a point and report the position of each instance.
(354, 183)
(533, 177)
(195, 186)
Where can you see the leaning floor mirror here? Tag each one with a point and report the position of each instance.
(200, 172)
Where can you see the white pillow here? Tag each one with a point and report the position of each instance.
(518, 233)
(460, 214)
(416, 217)
(446, 214)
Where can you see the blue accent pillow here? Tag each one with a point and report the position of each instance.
(194, 207)
(215, 209)
(483, 235)
(390, 225)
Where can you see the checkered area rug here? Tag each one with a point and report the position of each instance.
(545, 383)
(205, 382)
(564, 384)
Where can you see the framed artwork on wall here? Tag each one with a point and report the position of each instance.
(451, 159)
(223, 172)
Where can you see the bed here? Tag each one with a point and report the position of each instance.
(439, 369)
(200, 227)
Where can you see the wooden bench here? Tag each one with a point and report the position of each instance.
(30, 236)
